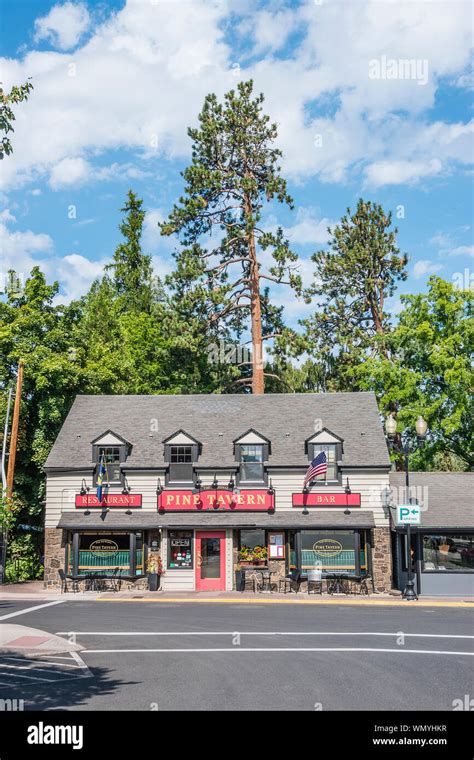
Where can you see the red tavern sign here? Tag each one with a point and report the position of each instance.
(187, 501)
(326, 499)
(117, 500)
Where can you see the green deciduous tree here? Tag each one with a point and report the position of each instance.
(17, 94)
(429, 372)
(234, 171)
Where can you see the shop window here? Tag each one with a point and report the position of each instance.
(333, 551)
(104, 553)
(331, 450)
(180, 549)
(448, 552)
(251, 463)
(252, 545)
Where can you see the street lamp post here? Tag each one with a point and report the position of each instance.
(409, 593)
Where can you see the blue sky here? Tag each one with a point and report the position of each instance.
(372, 99)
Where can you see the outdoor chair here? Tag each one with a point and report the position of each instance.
(364, 584)
(290, 582)
(64, 582)
(249, 581)
(264, 578)
(315, 581)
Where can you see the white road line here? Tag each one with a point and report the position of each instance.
(81, 664)
(264, 633)
(30, 678)
(31, 609)
(26, 667)
(275, 649)
(41, 662)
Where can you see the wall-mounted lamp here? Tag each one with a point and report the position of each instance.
(159, 487)
(128, 512)
(84, 488)
(215, 483)
(126, 488)
(270, 489)
(231, 485)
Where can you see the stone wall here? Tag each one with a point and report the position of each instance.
(54, 556)
(382, 560)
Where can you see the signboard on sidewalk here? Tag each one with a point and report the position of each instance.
(408, 514)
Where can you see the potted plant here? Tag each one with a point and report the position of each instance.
(245, 555)
(238, 577)
(155, 571)
(259, 555)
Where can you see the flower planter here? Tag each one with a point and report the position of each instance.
(239, 577)
(153, 581)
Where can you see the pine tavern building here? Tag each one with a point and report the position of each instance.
(198, 480)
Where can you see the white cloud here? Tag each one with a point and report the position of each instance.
(76, 274)
(73, 172)
(140, 79)
(64, 25)
(269, 31)
(424, 267)
(17, 246)
(462, 250)
(6, 216)
(308, 229)
(441, 240)
(69, 172)
(398, 172)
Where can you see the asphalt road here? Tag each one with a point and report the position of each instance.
(172, 656)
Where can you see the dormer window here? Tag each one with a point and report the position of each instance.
(251, 463)
(330, 450)
(112, 461)
(114, 449)
(182, 452)
(252, 451)
(332, 446)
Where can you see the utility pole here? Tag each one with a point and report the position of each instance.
(11, 462)
(14, 435)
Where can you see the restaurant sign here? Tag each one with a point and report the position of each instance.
(327, 547)
(187, 501)
(117, 500)
(326, 499)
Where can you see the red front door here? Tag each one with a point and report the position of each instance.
(210, 560)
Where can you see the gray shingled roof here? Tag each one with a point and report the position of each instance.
(278, 520)
(446, 498)
(216, 420)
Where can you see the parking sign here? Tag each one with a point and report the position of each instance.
(408, 514)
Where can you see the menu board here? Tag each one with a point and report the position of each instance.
(276, 545)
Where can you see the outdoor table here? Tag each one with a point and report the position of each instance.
(266, 580)
(336, 586)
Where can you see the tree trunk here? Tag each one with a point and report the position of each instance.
(258, 379)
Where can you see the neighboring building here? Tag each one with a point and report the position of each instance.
(200, 478)
(443, 545)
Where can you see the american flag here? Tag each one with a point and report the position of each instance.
(318, 466)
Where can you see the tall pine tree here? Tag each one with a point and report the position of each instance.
(352, 282)
(132, 273)
(234, 171)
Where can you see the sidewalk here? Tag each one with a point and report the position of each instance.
(34, 591)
